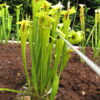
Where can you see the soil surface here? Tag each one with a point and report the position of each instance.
(77, 82)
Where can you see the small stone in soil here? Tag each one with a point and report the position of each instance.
(25, 98)
(83, 93)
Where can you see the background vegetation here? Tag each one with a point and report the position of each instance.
(91, 5)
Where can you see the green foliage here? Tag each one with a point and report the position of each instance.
(49, 53)
(46, 66)
(5, 23)
(96, 36)
(25, 9)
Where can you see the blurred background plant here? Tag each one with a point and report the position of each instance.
(25, 9)
(96, 36)
(5, 23)
(90, 6)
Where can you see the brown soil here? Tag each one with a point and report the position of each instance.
(78, 81)
(11, 69)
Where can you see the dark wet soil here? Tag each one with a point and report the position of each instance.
(78, 81)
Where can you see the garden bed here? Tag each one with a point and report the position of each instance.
(78, 81)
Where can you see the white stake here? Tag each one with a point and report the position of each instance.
(92, 65)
